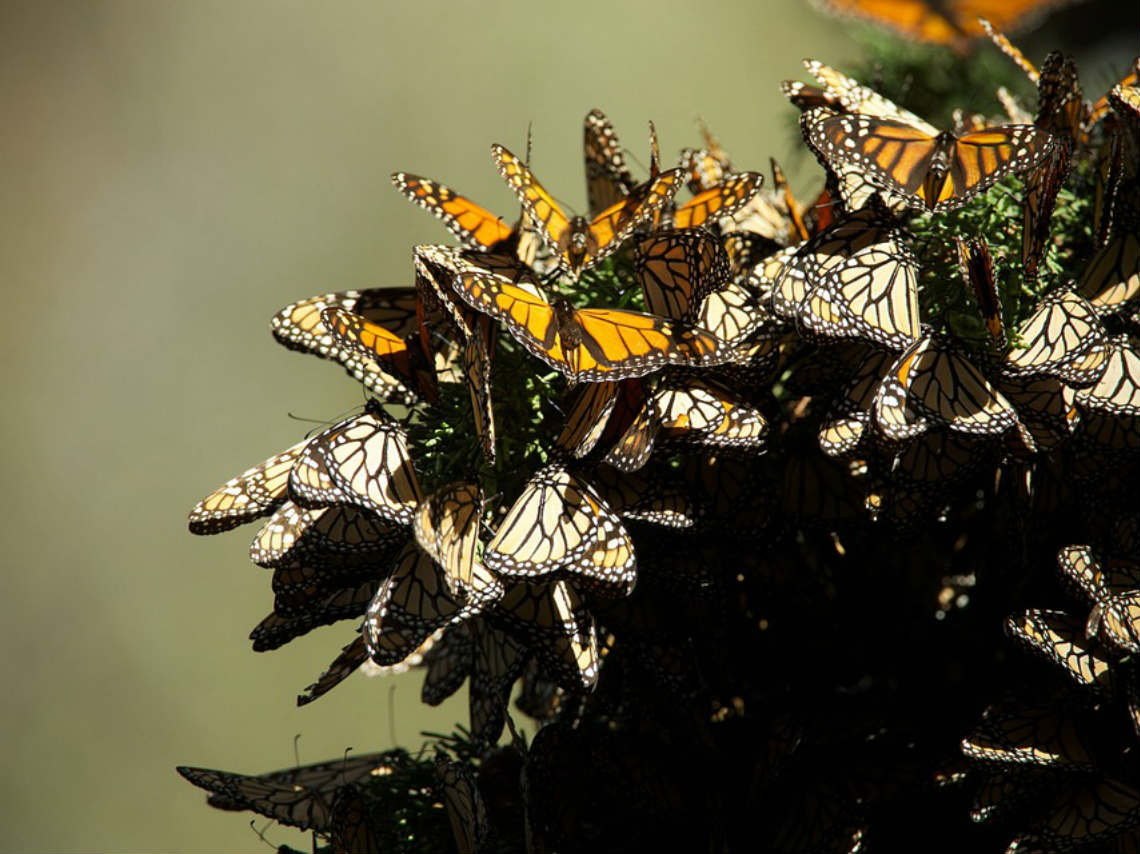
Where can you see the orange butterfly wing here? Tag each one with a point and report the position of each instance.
(534, 197)
(720, 201)
(474, 226)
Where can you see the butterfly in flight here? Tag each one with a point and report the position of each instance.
(578, 242)
(947, 22)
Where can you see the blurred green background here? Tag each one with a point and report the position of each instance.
(173, 174)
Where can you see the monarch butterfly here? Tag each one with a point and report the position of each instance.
(1062, 338)
(551, 618)
(935, 172)
(558, 524)
(642, 499)
(588, 414)
(298, 326)
(688, 409)
(497, 662)
(678, 270)
(362, 461)
(538, 697)
(708, 166)
(276, 630)
(344, 665)
(922, 474)
(1046, 407)
(577, 242)
(298, 587)
(327, 536)
(856, 279)
(1112, 279)
(1117, 392)
(477, 372)
(300, 797)
(1060, 102)
(845, 94)
(1125, 101)
(474, 226)
(448, 663)
(952, 24)
(719, 203)
(1038, 735)
(773, 214)
(977, 268)
(1098, 809)
(254, 493)
(398, 357)
(1001, 792)
(584, 344)
(470, 825)
(845, 425)
(608, 181)
(1059, 637)
(414, 602)
(446, 526)
(933, 383)
(1041, 189)
(1060, 107)
(1114, 591)
(351, 830)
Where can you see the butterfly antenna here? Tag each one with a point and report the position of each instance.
(529, 139)
(261, 833)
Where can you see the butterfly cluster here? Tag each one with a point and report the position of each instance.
(724, 483)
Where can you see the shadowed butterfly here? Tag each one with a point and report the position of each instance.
(414, 602)
(1047, 736)
(1113, 586)
(470, 825)
(276, 630)
(1111, 282)
(552, 621)
(678, 270)
(977, 268)
(1060, 638)
(300, 797)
